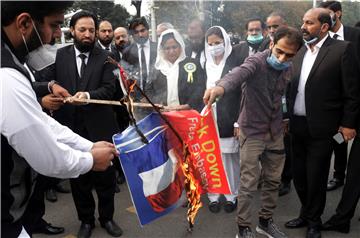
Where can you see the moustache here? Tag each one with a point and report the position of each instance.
(305, 31)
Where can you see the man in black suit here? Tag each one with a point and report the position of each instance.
(324, 100)
(105, 35)
(122, 41)
(142, 53)
(347, 33)
(81, 69)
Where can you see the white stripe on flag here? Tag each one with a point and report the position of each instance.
(159, 178)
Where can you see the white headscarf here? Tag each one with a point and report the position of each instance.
(170, 70)
(213, 71)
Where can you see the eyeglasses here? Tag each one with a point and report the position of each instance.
(173, 47)
(140, 31)
(272, 26)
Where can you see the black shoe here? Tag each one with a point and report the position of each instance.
(85, 230)
(334, 184)
(333, 226)
(230, 206)
(117, 188)
(50, 195)
(62, 188)
(49, 230)
(284, 189)
(214, 207)
(112, 228)
(296, 223)
(313, 232)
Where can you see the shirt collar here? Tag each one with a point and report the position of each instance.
(77, 53)
(103, 47)
(318, 45)
(340, 32)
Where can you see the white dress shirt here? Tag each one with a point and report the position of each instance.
(104, 47)
(340, 33)
(50, 148)
(147, 56)
(307, 64)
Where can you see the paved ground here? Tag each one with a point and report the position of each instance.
(63, 213)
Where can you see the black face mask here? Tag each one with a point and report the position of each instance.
(83, 47)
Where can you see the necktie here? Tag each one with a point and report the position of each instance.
(83, 64)
(335, 36)
(107, 48)
(143, 68)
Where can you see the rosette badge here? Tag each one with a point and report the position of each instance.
(190, 68)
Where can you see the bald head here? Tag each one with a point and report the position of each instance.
(121, 38)
(316, 24)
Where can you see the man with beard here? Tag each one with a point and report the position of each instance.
(105, 36)
(142, 53)
(340, 32)
(324, 100)
(26, 131)
(122, 41)
(196, 41)
(81, 69)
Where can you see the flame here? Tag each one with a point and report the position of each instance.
(191, 187)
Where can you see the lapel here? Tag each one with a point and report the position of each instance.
(89, 68)
(72, 72)
(320, 57)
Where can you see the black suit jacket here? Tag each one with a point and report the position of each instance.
(99, 81)
(131, 56)
(332, 88)
(114, 52)
(352, 34)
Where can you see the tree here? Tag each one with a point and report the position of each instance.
(116, 14)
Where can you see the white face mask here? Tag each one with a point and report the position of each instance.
(42, 56)
(216, 50)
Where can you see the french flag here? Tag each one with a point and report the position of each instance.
(153, 170)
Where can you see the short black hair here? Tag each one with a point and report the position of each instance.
(263, 26)
(136, 22)
(83, 14)
(332, 5)
(37, 9)
(293, 35)
(324, 17)
(214, 31)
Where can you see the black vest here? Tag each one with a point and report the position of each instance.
(17, 177)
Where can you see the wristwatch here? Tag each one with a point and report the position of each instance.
(51, 84)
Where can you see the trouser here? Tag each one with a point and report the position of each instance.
(104, 185)
(269, 167)
(311, 164)
(340, 160)
(231, 164)
(351, 192)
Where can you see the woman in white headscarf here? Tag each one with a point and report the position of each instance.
(177, 80)
(221, 58)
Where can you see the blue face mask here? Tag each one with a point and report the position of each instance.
(255, 39)
(276, 64)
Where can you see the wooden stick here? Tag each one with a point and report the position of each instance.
(105, 102)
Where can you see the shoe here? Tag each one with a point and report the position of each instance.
(49, 230)
(313, 232)
(50, 195)
(268, 228)
(334, 184)
(117, 189)
(230, 206)
(296, 223)
(85, 230)
(245, 232)
(214, 207)
(62, 188)
(284, 189)
(112, 228)
(332, 226)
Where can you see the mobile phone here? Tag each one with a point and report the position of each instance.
(338, 137)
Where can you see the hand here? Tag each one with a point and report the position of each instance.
(237, 132)
(211, 94)
(78, 95)
(285, 125)
(348, 133)
(103, 156)
(60, 91)
(51, 102)
(102, 144)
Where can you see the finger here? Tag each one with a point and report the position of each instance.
(206, 97)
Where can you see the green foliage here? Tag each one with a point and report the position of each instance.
(115, 13)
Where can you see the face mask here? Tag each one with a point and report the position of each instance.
(276, 64)
(216, 50)
(255, 39)
(333, 20)
(313, 39)
(141, 40)
(42, 56)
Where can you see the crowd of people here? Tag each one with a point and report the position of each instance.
(285, 100)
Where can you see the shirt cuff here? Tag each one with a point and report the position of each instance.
(87, 162)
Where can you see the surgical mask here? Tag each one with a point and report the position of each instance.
(41, 57)
(216, 50)
(311, 41)
(276, 64)
(255, 39)
(333, 20)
